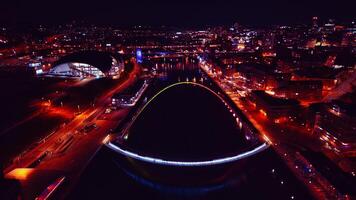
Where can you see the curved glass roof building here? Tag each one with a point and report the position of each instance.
(87, 64)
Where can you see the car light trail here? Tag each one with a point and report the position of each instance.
(46, 194)
(159, 161)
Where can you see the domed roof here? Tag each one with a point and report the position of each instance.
(186, 122)
(100, 60)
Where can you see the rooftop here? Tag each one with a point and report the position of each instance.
(274, 101)
(100, 60)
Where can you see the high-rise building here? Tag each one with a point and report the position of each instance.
(315, 21)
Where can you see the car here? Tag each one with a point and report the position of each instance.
(108, 111)
(89, 127)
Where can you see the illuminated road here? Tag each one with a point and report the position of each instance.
(68, 150)
(43, 106)
(316, 183)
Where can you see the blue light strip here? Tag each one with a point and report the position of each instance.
(159, 161)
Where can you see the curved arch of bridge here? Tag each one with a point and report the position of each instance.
(177, 84)
(160, 161)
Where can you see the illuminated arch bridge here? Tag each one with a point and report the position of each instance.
(87, 64)
(121, 148)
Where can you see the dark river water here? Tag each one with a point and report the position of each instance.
(187, 122)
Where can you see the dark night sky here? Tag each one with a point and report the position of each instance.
(177, 13)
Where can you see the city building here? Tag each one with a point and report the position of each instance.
(261, 76)
(272, 107)
(130, 96)
(335, 126)
(87, 64)
(301, 90)
(328, 76)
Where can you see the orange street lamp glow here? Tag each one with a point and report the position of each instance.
(106, 139)
(19, 173)
(263, 112)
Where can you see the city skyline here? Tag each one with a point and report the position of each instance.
(177, 100)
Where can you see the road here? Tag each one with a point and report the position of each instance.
(319, 187)
(344, 87)
(68, 150)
